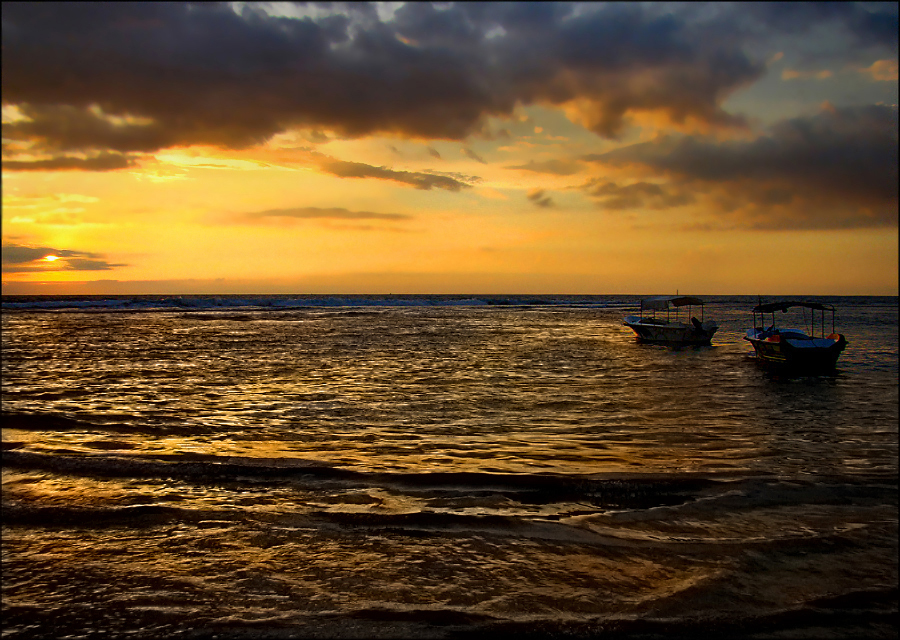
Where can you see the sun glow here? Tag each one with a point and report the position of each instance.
(50, 258)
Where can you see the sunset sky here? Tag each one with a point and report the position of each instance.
(746, 148)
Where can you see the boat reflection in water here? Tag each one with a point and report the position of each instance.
(669, 330)
(795, 349)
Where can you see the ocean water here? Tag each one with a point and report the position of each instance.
(439, 467)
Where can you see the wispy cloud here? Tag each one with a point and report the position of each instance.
(558, 167)
(538, 197)
(417, 179)
(317, 213)
(474, 156)
(425, 179)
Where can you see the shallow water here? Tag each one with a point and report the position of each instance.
(436, 466)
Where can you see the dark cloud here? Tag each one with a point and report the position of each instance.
(62, 128)
(873, 24)
(423, 22)
(20, 254)
(99, 162)
(23, 258)
(179, 74)
(842, 161)
(202, 74)
(627, 58)
(433, 152)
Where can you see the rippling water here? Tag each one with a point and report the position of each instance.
(438, 467)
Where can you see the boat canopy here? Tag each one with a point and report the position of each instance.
(772, 307)
(664, 302)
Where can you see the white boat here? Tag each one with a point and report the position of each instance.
(671, 330)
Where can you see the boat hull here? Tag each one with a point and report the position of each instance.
(801, 355)
(671, 333)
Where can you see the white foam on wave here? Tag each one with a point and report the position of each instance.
(281, 302)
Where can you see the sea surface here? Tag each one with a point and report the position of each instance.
(243, 467)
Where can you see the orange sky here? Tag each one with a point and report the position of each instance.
(512, 148)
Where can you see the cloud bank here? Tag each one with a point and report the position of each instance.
(836, 169)
(100, 86)
(131, 78)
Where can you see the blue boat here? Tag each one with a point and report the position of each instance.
(791, 348)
